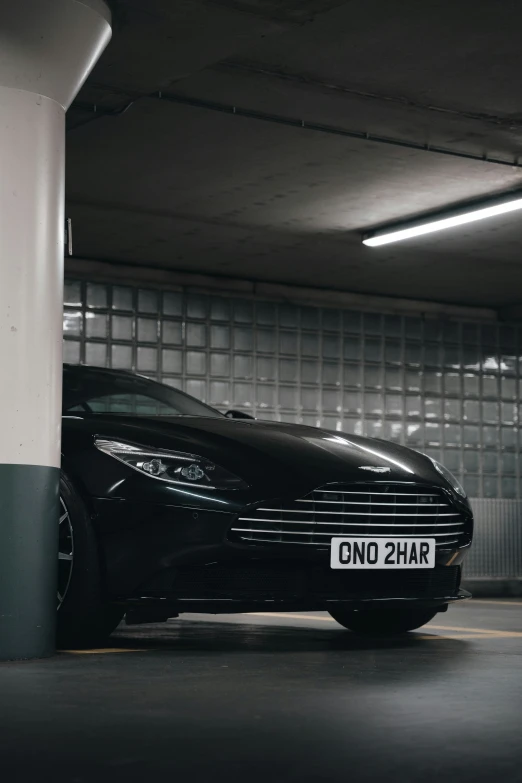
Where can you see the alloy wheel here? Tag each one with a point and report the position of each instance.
(65, 552)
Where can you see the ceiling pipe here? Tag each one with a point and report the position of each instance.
(279, 119)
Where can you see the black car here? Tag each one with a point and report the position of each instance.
(168, 506)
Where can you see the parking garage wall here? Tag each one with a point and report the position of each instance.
(449, 388)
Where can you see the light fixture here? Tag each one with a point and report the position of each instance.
(441, 220)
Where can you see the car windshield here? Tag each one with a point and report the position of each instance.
(91, 391)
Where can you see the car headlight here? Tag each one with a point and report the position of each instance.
(450, 478)
(174, 467)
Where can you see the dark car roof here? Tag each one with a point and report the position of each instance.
(89, 368)
(87, 374)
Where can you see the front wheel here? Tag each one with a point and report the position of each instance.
(383, 622)
(85, 618)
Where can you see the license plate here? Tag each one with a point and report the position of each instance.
(382, 553)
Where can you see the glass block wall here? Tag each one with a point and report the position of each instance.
(451, 389)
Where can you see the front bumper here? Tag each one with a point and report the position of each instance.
(184, 556)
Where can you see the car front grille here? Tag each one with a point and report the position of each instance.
(377, 510)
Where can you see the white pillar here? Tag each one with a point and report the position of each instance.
(47, 49)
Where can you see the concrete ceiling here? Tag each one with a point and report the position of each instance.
(163, 173)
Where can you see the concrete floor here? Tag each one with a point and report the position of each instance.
(285, 698)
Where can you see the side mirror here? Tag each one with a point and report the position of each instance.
(233, 414)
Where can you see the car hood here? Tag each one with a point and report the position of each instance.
(289, 456)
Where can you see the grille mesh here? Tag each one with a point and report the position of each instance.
(378, 510)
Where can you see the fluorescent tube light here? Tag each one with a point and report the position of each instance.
(438, 223)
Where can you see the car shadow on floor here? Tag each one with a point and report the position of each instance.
(219, 637)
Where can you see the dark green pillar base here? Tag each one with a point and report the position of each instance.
(29, 509)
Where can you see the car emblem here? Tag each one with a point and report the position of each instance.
(375, 469)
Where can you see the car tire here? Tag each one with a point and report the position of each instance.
(383, 622)
(84, 617)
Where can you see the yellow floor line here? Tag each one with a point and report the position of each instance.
(485, 631)
(456, 628)
(289, 616)
(475, 636)
(455, 637)
(104, 650)
(502, 635)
